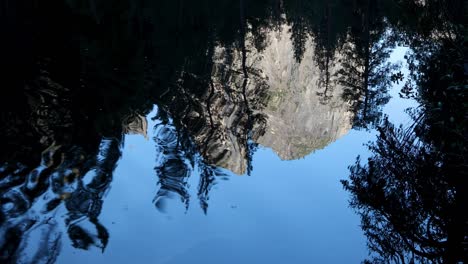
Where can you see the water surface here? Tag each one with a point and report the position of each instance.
(233, 132)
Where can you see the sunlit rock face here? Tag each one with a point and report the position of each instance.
(281, 103)
(300, 118)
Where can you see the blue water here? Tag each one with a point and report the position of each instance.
(285, 212)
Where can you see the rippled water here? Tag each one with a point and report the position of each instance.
(233, 132)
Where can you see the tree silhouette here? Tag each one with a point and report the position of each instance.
(365, 72)
(411, 194)
(403, 197)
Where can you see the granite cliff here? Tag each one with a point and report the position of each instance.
(268, 97)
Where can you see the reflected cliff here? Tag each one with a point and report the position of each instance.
(226, 77)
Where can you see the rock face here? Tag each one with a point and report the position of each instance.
(272, 100)
(299, 120)
(135, 124)
(233, 105)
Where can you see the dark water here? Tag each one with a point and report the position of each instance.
(269, 131)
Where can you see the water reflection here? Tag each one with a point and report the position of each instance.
(412, 193)
(228, 76)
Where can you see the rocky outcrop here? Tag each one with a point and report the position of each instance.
(271, 99)
(230, 108)
(300, 120)
(286, 93)
(135, 124)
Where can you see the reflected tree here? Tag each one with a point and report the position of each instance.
(66, 175)
(404, 198)
(365, 71)
(174, 163)
(412, 193)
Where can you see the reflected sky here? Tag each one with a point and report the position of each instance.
(248, 220)
(251, 219)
